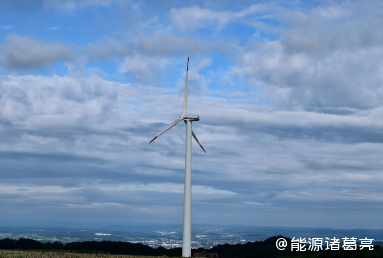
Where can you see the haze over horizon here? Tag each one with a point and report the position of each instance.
(289, 93)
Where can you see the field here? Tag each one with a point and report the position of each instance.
(37, 254)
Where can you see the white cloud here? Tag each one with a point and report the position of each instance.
(337, 79)
(143, 68)
(191, 18)
(344, 25)
(111, 48)
(19, 53)
(162, 43)
(25, 97)
(72, 4)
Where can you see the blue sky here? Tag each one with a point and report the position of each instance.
(289, 95)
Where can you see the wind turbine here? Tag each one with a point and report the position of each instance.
(188, 119)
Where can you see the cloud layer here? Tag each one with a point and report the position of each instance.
(289, 98)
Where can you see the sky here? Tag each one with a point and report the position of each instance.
(289, 94)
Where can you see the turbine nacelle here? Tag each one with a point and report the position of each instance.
(190, 117)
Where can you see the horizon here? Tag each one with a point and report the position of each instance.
(151, 227)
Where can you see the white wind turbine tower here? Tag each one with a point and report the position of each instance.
(186, 242)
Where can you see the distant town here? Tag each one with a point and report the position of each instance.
(206, 237)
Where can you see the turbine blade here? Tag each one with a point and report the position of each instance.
(167, 128)
(195, 138)
(186, 90)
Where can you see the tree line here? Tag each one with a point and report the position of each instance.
(258, 249)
